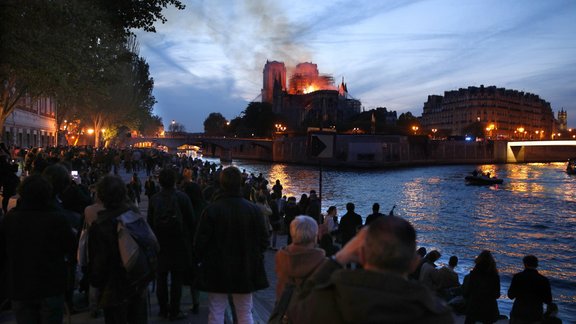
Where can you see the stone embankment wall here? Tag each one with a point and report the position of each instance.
(374, 151)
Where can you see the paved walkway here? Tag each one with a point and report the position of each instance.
(263, 300)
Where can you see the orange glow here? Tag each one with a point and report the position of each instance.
(310, 88)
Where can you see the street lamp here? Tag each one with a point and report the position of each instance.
(415, 129)
(434, 130)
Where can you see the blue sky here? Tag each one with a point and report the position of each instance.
(393, 53)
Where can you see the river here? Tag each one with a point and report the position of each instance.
(532, 212)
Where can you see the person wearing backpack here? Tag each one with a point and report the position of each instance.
(122, 299)
(171, 216)
(294, 263)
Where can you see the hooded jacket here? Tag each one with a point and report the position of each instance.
(295, 263)
(362, 296)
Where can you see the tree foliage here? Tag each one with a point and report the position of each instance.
(81, 52)
(256, 120)
(215, 124)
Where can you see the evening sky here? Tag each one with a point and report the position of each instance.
(391, 53)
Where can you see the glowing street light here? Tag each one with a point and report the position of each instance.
(90, 131)
(415, 129)
(434, 130)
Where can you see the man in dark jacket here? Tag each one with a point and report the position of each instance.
(230, 244)
(171, 216)
(36, 241)
(530, 290)
(349, 223)
(378, 293)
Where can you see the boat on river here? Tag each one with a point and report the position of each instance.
(571, 166)
(482, 180)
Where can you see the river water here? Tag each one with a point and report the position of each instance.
(532, 212)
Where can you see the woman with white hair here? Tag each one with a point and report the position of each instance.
(295, 262)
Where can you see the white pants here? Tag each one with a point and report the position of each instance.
(217, 306)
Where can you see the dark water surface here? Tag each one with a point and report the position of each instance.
(532, 212)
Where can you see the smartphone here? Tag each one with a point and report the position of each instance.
(75, 176)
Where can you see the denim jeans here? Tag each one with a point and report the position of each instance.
(49, 310)
(217, 306)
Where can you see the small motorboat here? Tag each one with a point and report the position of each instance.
(482, 180)
(571, 166)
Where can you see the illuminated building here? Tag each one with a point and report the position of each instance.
(500, 112)
(309, 99)
(32, 123)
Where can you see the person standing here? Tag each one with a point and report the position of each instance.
(481, 289)
(35, 243)
(530, 290)
(231, 233)
(314, 206)
(291, 211)
(171, 217)
(277, 189)
(121, 302)
(350, 223)
(375, 214)
(136, 186)
(150, 188)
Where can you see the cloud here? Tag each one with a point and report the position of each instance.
(391, 53)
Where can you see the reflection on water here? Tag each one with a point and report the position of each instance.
(532, 212)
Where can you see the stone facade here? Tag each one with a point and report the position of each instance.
(31, 124)
(502, 113)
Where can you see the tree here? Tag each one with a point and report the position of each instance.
(129, 14)
(259, 118)
(176, 128)
(50, 48)
(406, 122)
(151, 126)
(68, 49)
(215, 124)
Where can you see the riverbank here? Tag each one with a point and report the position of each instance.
(264, 299)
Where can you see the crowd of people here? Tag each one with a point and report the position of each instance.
(211, 228)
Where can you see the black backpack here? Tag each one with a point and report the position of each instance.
(168, 221)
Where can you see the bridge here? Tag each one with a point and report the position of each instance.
(223, 147)
(540, 151)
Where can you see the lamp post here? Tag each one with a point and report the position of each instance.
(415, 129)
(520, 131)
(434, 130)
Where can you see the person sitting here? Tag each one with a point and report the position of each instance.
(378, 293)
(296, 261)
(529, 290)
(481, 289)
(447, 284)
(428, 270)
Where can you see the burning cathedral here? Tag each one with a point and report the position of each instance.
(309, 99)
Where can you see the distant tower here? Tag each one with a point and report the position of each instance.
(274, 72)
(343, 89)
(563, 119)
